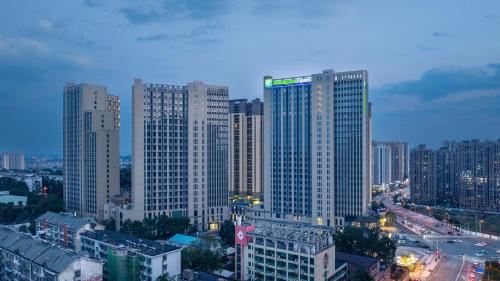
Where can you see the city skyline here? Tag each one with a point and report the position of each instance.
(444, 77)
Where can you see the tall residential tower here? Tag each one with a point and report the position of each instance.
(382, 164)
(180, 151)
(91, 148)
(245, 148)
(317, 146)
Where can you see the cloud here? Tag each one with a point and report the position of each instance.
(427, 49)
(31, 100)
(468, 95)
(22, 45)
(174, 10)
(139, 16)
(154, 37)
(445, 103)
(45, 26)
(93, 3)
(199, 35)
(440, 34)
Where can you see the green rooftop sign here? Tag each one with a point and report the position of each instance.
(269, 83)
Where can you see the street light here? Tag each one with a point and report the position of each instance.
(480, 223)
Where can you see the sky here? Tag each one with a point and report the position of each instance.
(434, 66)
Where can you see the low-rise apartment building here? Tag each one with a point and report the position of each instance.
(64, 229)
(272, 250)
(24, 258)
(127, 257)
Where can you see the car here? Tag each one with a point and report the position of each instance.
(480, 244)
(450, 241)
(479, 254)
(457, 241)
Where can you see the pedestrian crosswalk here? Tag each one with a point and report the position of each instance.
(468, 258)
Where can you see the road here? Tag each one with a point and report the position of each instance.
(460, 253)
(447, 270)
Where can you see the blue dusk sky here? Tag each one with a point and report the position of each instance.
(434, 66)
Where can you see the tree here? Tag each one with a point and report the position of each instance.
(166, 277)
(492, 271)
(110, 224)
(161, 227)
(390, 218)
(366, 242)
(360, 274)
(198, 256)
(226, 232)
(53, 186)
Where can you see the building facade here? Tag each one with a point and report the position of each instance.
(180, 152)
(317, 146)
(423, 175)
(64, 229)
(476, 169)
(444, 195)
(25, 258)
(91, 148)
(246, 148)
(12, 161)
(382, 164)
(128, 258)
(462, 174)
(283, 251)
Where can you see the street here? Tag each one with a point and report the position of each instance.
(461, 255)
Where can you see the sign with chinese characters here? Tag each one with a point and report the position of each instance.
(269, 83)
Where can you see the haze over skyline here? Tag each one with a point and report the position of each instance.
(434, 68)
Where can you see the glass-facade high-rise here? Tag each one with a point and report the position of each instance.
(317, 146)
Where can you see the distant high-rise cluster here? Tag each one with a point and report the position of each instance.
(463, 174)
(390, 162)
(91, 148)
(180, 151)
(12, 161)
(245, 148)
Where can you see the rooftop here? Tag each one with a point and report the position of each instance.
(363, 261)
(42, 253)
(143, 246)
(320, 237)
(60, 219)
(183, 240)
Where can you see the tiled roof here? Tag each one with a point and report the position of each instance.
(363, 261)
(42, 253)
(144, 246)
(60, 219)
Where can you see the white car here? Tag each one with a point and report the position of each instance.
(481, 244)
(458, 241)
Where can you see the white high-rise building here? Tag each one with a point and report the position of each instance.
(91, 149)
(381, 163)
(180, 152)
(12, 161)
(317, 146)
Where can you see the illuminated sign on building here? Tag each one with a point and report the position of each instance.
(269, 83)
